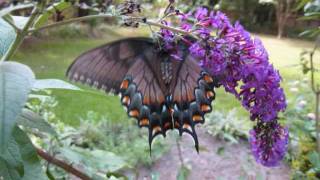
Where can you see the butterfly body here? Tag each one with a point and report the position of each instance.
(160, 92)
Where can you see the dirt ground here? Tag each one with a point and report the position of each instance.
(234, 162)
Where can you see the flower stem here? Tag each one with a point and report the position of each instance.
(173, 29)
(73, 20)
(316, 91)
(64, 165)
(317, 120)
(140, 19)
(21, 34)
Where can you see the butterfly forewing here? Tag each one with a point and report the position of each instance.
(106, 66)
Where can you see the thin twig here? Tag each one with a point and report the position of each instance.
(317, 120)
(312, 69)
(73, 20)
(68, 168)
(180, 151)
(316, 91)
(86, 18)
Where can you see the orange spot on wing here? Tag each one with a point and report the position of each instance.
(209, 94)
(156, 129)
(205, 108)
(146, 100)
(126, 100)
(134, 113)
(208, 79)
(197, 118)
(144, 122)
(186, 126)
(124, 84)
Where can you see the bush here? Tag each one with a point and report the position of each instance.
(227, 126)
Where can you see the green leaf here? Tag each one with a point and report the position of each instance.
(301, 4)
(183, 173)
(32, 120)
(32, 166)
(43, 19)
(7, 36)
(13, 156)
(312, 14)
(16, 81)
(7, 172)
(21, 151)
(54, 84)
(230, 138)
(106, 161)
(311, 32)
(95, 160)
(314, 158)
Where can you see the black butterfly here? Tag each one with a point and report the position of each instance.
(160, 92)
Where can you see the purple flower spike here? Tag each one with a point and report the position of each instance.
(269, 143)
(241, 64)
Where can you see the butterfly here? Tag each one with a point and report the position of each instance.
(162, 93)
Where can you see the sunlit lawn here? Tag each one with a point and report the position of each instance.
(50, 59)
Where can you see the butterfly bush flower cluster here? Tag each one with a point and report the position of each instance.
(241, 63)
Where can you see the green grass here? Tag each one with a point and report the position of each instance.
(50, 59)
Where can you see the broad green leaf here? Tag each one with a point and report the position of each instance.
(7, 172)
(32, 166)
(106, 161)
(7, 32)
(32, 120)
(16, 81)
(43, 19)
(314, 158)
(20, 151)
(13, 156)
(7, 10)
(95, 160)
(7, 36)
(53, 84)
(183, 173)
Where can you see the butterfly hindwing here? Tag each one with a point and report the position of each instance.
(160, 92)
